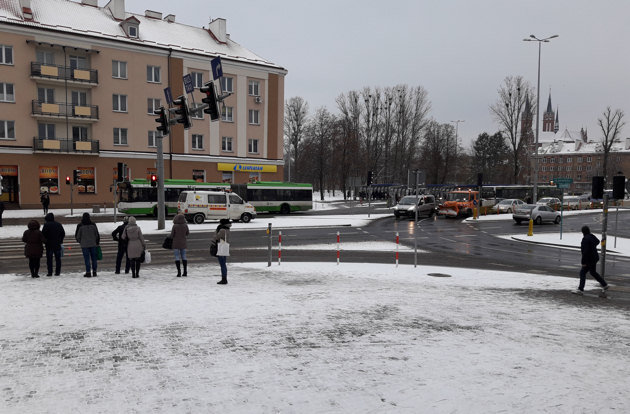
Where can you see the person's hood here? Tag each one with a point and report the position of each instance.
(33, 225)
(85, 219)
(179, 219)
(49, 217)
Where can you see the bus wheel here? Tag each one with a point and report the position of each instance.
(199, 218)
(285, 209)
(246, 218)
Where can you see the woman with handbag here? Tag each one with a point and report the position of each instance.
(221, 238)
(179, 234)
(89, 239)
(135, 245)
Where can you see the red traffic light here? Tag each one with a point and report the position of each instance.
(153, 180)
(67, 179)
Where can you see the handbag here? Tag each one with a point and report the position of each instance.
(168, 243)
(143, 256)
(223, 248)
(147, 257)
(213, 248)
(99, 253)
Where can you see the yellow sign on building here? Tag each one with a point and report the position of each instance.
(223, 166)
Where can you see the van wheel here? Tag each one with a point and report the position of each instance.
(199, 218)
(285, 209)
(246, 218)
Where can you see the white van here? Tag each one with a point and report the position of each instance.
(198, 206)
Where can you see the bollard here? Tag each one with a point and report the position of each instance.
(279, 248)
(269, 245)
(475, 213)
(397, 244)
(530, 230)
(337, 248)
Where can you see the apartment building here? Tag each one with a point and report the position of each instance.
(79, 84)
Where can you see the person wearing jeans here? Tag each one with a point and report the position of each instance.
(54, 233)
(222, 233)
(179, 234)
(88, 237)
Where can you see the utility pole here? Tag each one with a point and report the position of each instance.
(160, 187)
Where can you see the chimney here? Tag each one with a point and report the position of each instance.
(170, 18)
(27, 12)
(116, 8)
(217, 27)
(153, 14)
(93, 3)
(627, 143)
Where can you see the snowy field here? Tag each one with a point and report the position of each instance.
(311, 338)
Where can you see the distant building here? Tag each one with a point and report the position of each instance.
(79, 84)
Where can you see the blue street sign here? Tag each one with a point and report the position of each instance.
(217, 68)
(188, 83)
(168, 95)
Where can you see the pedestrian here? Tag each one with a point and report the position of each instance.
(222, 233)
(122, 246)
(34, 247)
(135, 245)
(45, 200)
(179, 234)
(89, 239)
(590, 257)
(54, 234)
(1, 211)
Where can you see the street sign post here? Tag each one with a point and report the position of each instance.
(563, 183)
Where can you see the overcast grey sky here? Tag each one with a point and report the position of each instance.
(458, 50)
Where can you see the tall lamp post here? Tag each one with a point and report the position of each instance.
(533, 38)
(456, 142)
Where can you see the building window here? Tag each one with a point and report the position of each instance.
(120, 136)
(227, 114)
(227, 84)
(45, 57)
(153, 74)
(227, 177)
(579, 168)
(552, 168)
(46, 95)
(153, 136)
(119, 103)
(78, 62)
(119, 69)
(46, 131)
(544, 160)
(133, 32)
(543, 168)
(579, 176)
(196, 114)
(79, 133)
(197, 79)
(589, 159)
(569, 159)
(6, 55)
(197, 141)
(553, 160)
(7, 129)
(252, 146)
(579, 159)
(7, 93)
(567, 168)
(226, 144)
(254, 117)
(254, 88)
(559, 167)
(153, 105)
(560, 160)
(199, 175)
(589, 168)
(254, 177)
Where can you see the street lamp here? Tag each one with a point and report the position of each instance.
(533, 38)
(456, 143)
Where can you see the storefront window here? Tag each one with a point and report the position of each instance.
(227, 177)
(49, 179)
(199, 176)
(254, 177)
(86, 180)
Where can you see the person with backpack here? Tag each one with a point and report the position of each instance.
(122, 246)
(54, 233)
(89, 239)
(222, 234)
(34, 247)
(45, 200)
(135, 245)
(590, 257)
(179, 234)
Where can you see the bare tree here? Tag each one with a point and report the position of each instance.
(437, 152)
(318, 139)
(508, 111)
(347, 147)
(295, 120)
(611, 124)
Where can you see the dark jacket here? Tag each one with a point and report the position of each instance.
(53, 232)
(45, 199)
(222, 233)
(589, 249)
(117, 234)
(34, 240)
(87, 233)
(1, 207)
(179, 232)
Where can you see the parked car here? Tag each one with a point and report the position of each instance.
(581, 202)
(552, 202)
(508, 205)
(406, 206)
(539, 213)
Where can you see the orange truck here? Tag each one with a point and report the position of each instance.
(459, 203)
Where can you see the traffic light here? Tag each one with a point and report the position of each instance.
(162, 120)
(67, 179)
(597, 189)
(370, 178)
(153, 180)
(75, 177)
(181, 111)
(211, 100)
(619, 187)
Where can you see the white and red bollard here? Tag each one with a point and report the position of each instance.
(337, 248)
(397, 244)
(279, 247)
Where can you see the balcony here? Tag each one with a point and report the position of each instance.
(68, 146)
(87, 113)
(88, 77)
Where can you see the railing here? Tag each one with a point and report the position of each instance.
(42, 70)
(65, 145)
(63, 109)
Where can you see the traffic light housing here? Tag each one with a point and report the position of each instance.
(162, 120)
(370, 178)
(153, 180)
(75, 177)
(211, 99)
(597, 189)
(67, 180)
(181, 111)
(619, 187)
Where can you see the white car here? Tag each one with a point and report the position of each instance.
(508, 205)
(540, 214)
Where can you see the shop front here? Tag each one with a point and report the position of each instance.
(9, 182)
(250, 173)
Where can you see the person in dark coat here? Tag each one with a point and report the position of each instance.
(222, 233)
(179, 234)
(135, 247)
(122, 246)
(590, 257)
(88, 237)
(1, 211)
(54, 233)
(34, 247)
(45, 199)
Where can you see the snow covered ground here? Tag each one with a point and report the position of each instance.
(303, 338)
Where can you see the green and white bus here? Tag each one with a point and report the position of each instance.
(137, 197)
(276, 197)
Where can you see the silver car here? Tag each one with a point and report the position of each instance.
(507, 206)
(406, 206)
(540, 214)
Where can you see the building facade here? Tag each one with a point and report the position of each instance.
(78, 87)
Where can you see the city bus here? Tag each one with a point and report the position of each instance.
(138, 197)
(276, 197)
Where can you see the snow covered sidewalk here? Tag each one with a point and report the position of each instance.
(304, 337)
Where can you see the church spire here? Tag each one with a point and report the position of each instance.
(549, 109)
(556, 127)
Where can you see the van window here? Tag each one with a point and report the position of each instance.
(216, 199)
(234, 199)
(182, 197)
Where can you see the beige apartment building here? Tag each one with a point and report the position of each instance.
(78, 87)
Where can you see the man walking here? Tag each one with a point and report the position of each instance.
(122, 246)
(45, 199)
(590, 257)
(54, 233)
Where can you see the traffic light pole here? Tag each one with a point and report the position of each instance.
(71, 203)
(160, 187)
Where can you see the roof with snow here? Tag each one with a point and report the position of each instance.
(85, 20)
(572, 142)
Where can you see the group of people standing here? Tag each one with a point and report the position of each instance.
(131, 245)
